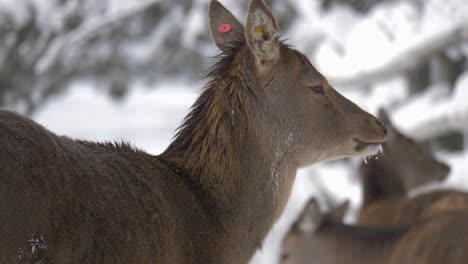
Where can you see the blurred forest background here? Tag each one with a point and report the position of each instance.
(130, 70)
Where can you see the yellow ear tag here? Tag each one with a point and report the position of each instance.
(259, 30)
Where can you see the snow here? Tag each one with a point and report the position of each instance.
(435, 112)
(146, 118)
(194, 24)
(398, 28)
(95, 22)
(17, 9)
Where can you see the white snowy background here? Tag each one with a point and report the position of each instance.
(366, 56)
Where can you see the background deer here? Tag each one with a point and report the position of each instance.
(387, 181)
(323, 238)
(212, 196)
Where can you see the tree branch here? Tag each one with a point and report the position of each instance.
(428, 116)
(85, 32)
(408, 59)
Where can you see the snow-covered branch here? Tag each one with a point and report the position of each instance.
(407, 59)
(85, 32)
(430, 115)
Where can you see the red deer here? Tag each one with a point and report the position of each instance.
(387, 181)
(323, 239)
(213, 194)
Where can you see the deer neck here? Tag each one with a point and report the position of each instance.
(380, 182)
(355, 244)
(223, 146)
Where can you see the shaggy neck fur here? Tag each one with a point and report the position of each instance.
(224, 146)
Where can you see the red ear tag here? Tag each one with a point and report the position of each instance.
(224, 28)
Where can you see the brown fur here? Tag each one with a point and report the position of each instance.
(317, 238)
(211, 197)
(388, 180)
(87, 202)
(394, 211)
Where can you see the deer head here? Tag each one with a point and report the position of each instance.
(406, 160)
(295, 104)
(304, 243)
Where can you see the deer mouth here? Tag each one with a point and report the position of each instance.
(367, 148)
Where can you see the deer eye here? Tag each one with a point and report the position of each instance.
(317, 89)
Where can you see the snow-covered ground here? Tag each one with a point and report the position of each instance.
(148, 119)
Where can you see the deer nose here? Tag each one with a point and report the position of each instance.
(382, 126)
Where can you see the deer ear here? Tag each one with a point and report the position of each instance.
(339, 212)
(225, 28)
(261, 33)
(310, 218)
(384, 117)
